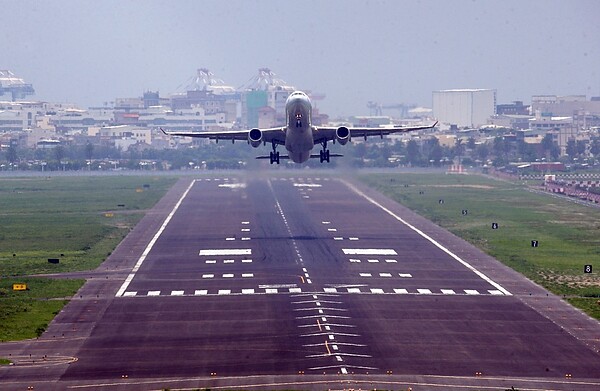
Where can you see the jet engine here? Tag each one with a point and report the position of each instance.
(342, 135)
(255, 137)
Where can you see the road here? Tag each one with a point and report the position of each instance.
(304, 282)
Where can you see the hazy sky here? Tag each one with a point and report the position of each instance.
(89, 52)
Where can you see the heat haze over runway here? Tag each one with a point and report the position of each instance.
(316, 275)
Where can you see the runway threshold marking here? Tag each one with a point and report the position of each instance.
(152, 242)
(430, 239)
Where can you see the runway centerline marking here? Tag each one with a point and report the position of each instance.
(430, 239)
(152, 242)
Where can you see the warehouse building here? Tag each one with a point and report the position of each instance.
(464, 107)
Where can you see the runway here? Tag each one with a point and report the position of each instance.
(309, 277)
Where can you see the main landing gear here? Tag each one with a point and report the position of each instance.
(324, 154)
(274, 156)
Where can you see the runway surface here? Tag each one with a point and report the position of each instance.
(276, 281)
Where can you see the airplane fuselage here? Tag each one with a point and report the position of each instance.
(299, 132)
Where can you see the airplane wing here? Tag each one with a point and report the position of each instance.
(269, 135)
(324, 133)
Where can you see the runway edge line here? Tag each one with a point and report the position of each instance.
(429, 238)
(152, 242)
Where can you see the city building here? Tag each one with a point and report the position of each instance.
(515, 108)
(564, 106)
(464, 107)
(510, 121)
(585, 113)
(264, 90)
(17, 116)
(561, 128)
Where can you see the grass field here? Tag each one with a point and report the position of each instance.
(568, 234)
(78, 220)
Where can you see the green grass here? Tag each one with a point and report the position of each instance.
(26, 314)
(44, 218)
(64, 218)
(589, 305)
(568, 234)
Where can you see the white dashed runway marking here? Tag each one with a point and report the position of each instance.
(287, 289)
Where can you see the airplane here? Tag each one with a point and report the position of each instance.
(298, 136)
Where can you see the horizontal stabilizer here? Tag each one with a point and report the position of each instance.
(269, 157)
(314, 156)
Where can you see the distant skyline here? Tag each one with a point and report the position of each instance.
(91, 52)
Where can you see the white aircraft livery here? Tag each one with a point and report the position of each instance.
(299, 136)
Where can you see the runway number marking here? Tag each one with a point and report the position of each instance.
(152, 242)
(429, 238)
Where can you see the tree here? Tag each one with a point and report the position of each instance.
(595, 148)
(89, 150)
(499, 146)
(11, 154)
(435, 154)
(412, 152)
(483, 151)
(360, 150)
(59, 153)
(525, 151)
(548, 144)
(471, 143)
(459, 148)
(555, 152)
(581, 147)
(571, 149)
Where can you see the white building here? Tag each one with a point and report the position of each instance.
(17, 116)
(561, 128)
(126, 132)
(464, 107)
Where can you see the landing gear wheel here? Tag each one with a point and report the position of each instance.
(274, 157)
(324, 154)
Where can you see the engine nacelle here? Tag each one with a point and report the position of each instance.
(255, 137)
(342, 135)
